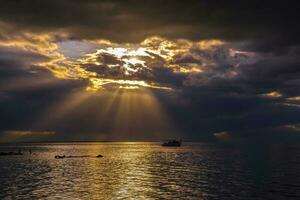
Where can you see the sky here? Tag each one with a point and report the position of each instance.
(138, 70)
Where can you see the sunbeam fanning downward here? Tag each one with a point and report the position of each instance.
(121, 113)
(60, 109)
(138, 111)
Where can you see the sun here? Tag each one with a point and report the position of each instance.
(130, 58)
(98, 84)
(104, 65)
(129, 61)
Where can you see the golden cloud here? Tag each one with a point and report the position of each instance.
(294, 127)
(125, 61)
(297, 98)
(223, 136)
(273, 94)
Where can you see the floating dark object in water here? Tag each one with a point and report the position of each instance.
(84, 156)
(172, 143)
(11, 153)
(59, 157)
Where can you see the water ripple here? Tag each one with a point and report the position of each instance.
(149, 171)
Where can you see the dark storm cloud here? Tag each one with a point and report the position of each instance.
(279, 73)
(273, 25)
(204, 111)
(244, 97)
(16, 64)
(20, 106)
(17, 58)
(238, 105)
(26, 89)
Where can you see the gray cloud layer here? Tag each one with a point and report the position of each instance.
(233, 93)
(273, 25)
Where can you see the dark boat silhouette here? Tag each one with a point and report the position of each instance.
(172, 143)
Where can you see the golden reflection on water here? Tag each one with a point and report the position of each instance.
(123, 172)
(149, 171)
(134, 174)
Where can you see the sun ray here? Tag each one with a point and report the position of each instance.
(138, 111)
(60, 108)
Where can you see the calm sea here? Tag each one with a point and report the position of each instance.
(149, 171)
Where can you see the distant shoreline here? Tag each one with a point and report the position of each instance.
(106, 141)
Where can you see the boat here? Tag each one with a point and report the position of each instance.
(172, 143)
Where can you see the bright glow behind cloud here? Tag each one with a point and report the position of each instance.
(105, 64)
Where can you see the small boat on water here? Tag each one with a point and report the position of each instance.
(172, 143)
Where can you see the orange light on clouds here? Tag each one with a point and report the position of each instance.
(131, 58)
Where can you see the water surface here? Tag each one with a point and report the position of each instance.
(149, 171)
